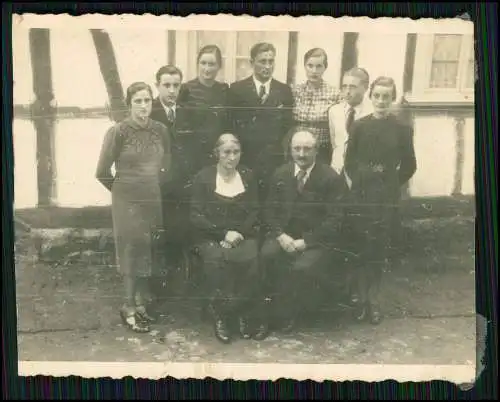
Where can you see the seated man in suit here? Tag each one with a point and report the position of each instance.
(302, 218)
(261, 113)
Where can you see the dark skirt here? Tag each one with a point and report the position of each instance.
(231, 275)
(135, 225)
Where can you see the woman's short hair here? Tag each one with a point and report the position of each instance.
(134, 88)
(384, 82)
(316, 52)
(223, 139)
(210, 49)
(261, 47)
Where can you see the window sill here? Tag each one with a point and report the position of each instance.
(439, 98)
(445, 103)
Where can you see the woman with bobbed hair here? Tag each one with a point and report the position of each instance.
(203, 114)
(139, 149)
(224, 210)
(379, 160)
(312, 99)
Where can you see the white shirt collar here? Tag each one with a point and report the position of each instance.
(266, 84)
(308, 170)
(167, 107)
(358, 109)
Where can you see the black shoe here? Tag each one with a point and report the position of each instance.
(145, 315)
(245, 330)
(360, 311)
(133, 323)
(222, 332)
(261, 331)
(374, 314)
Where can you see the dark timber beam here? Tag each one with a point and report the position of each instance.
(293, 43)
(110, 74)
(43, 114)
(349, 53)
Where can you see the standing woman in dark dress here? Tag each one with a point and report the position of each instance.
(139, 149)
(202, 113)
(224, 209)
(379, 159)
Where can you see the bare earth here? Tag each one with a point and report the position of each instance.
(69, 312)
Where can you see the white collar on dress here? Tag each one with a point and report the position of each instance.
(230, 188)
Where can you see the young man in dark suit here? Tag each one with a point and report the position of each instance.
(164, 109)
(261, 112)
(302, 217)
(168, 84)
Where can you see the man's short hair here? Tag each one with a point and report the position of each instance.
(261, 47)
(359, 73)
(169, 70)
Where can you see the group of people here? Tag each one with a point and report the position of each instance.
(262, 182)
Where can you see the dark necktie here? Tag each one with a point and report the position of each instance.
(301, 180)
(262, 94)
(170, 115)
(349, 119)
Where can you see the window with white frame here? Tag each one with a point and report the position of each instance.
(235, 48)
(444, 68)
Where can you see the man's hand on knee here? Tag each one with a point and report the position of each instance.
(300, 244)
(286, 242)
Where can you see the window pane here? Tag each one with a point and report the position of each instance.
(444, 75)
(218, 38)
(243, 68)
(246, 39)
(447, 47)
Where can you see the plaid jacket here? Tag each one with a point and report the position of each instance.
(311, 108)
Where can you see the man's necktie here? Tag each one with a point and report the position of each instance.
(262, 94)
(170, 115)
(349, 119)
(301, 180)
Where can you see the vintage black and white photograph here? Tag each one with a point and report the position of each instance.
(243, 197)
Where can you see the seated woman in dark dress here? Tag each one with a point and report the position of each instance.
(379, 159)
(224, 210)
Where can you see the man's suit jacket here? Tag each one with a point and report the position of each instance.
(261, 127)
(338, 135)
(319, 204)
(158, 113)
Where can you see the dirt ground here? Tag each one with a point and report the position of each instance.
(70, 313)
